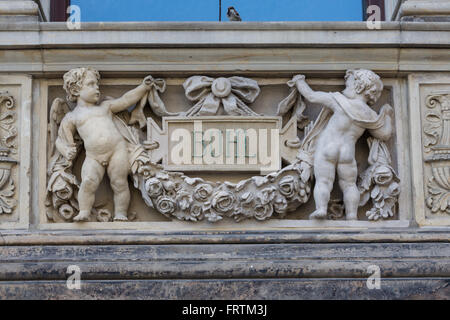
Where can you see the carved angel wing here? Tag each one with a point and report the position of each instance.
(58, 110)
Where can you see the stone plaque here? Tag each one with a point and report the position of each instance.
(221, 144)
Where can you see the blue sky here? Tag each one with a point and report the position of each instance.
(208, 10)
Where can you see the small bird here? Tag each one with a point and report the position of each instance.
(233, 15)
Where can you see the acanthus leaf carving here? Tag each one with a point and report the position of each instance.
(437, 148)
(8, 145)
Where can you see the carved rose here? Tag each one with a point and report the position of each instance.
(196, 211)
(267, 195)
(65, 193)
(165, 205)
(263, 212)
(288, 186)
(280, 204)
(171, 193)
(66, 211)
(202, 192)
(382, 175)
(393, 190)
(144, 170)
(153, 187)
(104, 215)
(223, 201)
(184, 200)
(168, 185)
(62, 188)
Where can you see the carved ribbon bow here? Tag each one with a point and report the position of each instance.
(230, 92)
(156, 104)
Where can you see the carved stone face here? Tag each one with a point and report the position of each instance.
(90, 92)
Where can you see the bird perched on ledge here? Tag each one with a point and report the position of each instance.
(233, 15)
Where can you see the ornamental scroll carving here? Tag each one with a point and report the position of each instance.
(437, 151)
(8, 145)
(115, 145)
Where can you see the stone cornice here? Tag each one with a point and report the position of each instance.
(105, 237)
(215, 34)
(174, 48)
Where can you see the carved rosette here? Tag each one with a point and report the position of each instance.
(437, 151)
(8, 145)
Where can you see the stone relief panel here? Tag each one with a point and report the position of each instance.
(215, 151)
(437, 151)
(8, 145)
(431, 95)
(15, 107)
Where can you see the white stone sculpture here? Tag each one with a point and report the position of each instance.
(343, 120)
(105, 145)
(113, 142)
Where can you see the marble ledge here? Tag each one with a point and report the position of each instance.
(137, 237)
(225, 34)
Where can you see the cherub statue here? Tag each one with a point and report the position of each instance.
(340, 124)
(106, 148)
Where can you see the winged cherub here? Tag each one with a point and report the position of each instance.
(342, 122)
(106, 148)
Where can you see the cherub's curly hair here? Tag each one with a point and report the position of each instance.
(368, 83)
(73, 80)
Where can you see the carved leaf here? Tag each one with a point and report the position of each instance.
(7, 203)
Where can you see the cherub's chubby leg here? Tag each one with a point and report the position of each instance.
(348, 174)
(91, 176)
(324, 172)
(118, 175)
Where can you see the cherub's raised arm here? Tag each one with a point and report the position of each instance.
(312, 96)
(128, 99)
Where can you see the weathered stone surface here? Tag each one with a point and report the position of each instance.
(251, 271)
(127, 237)
(239, 261)
(281, 289)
